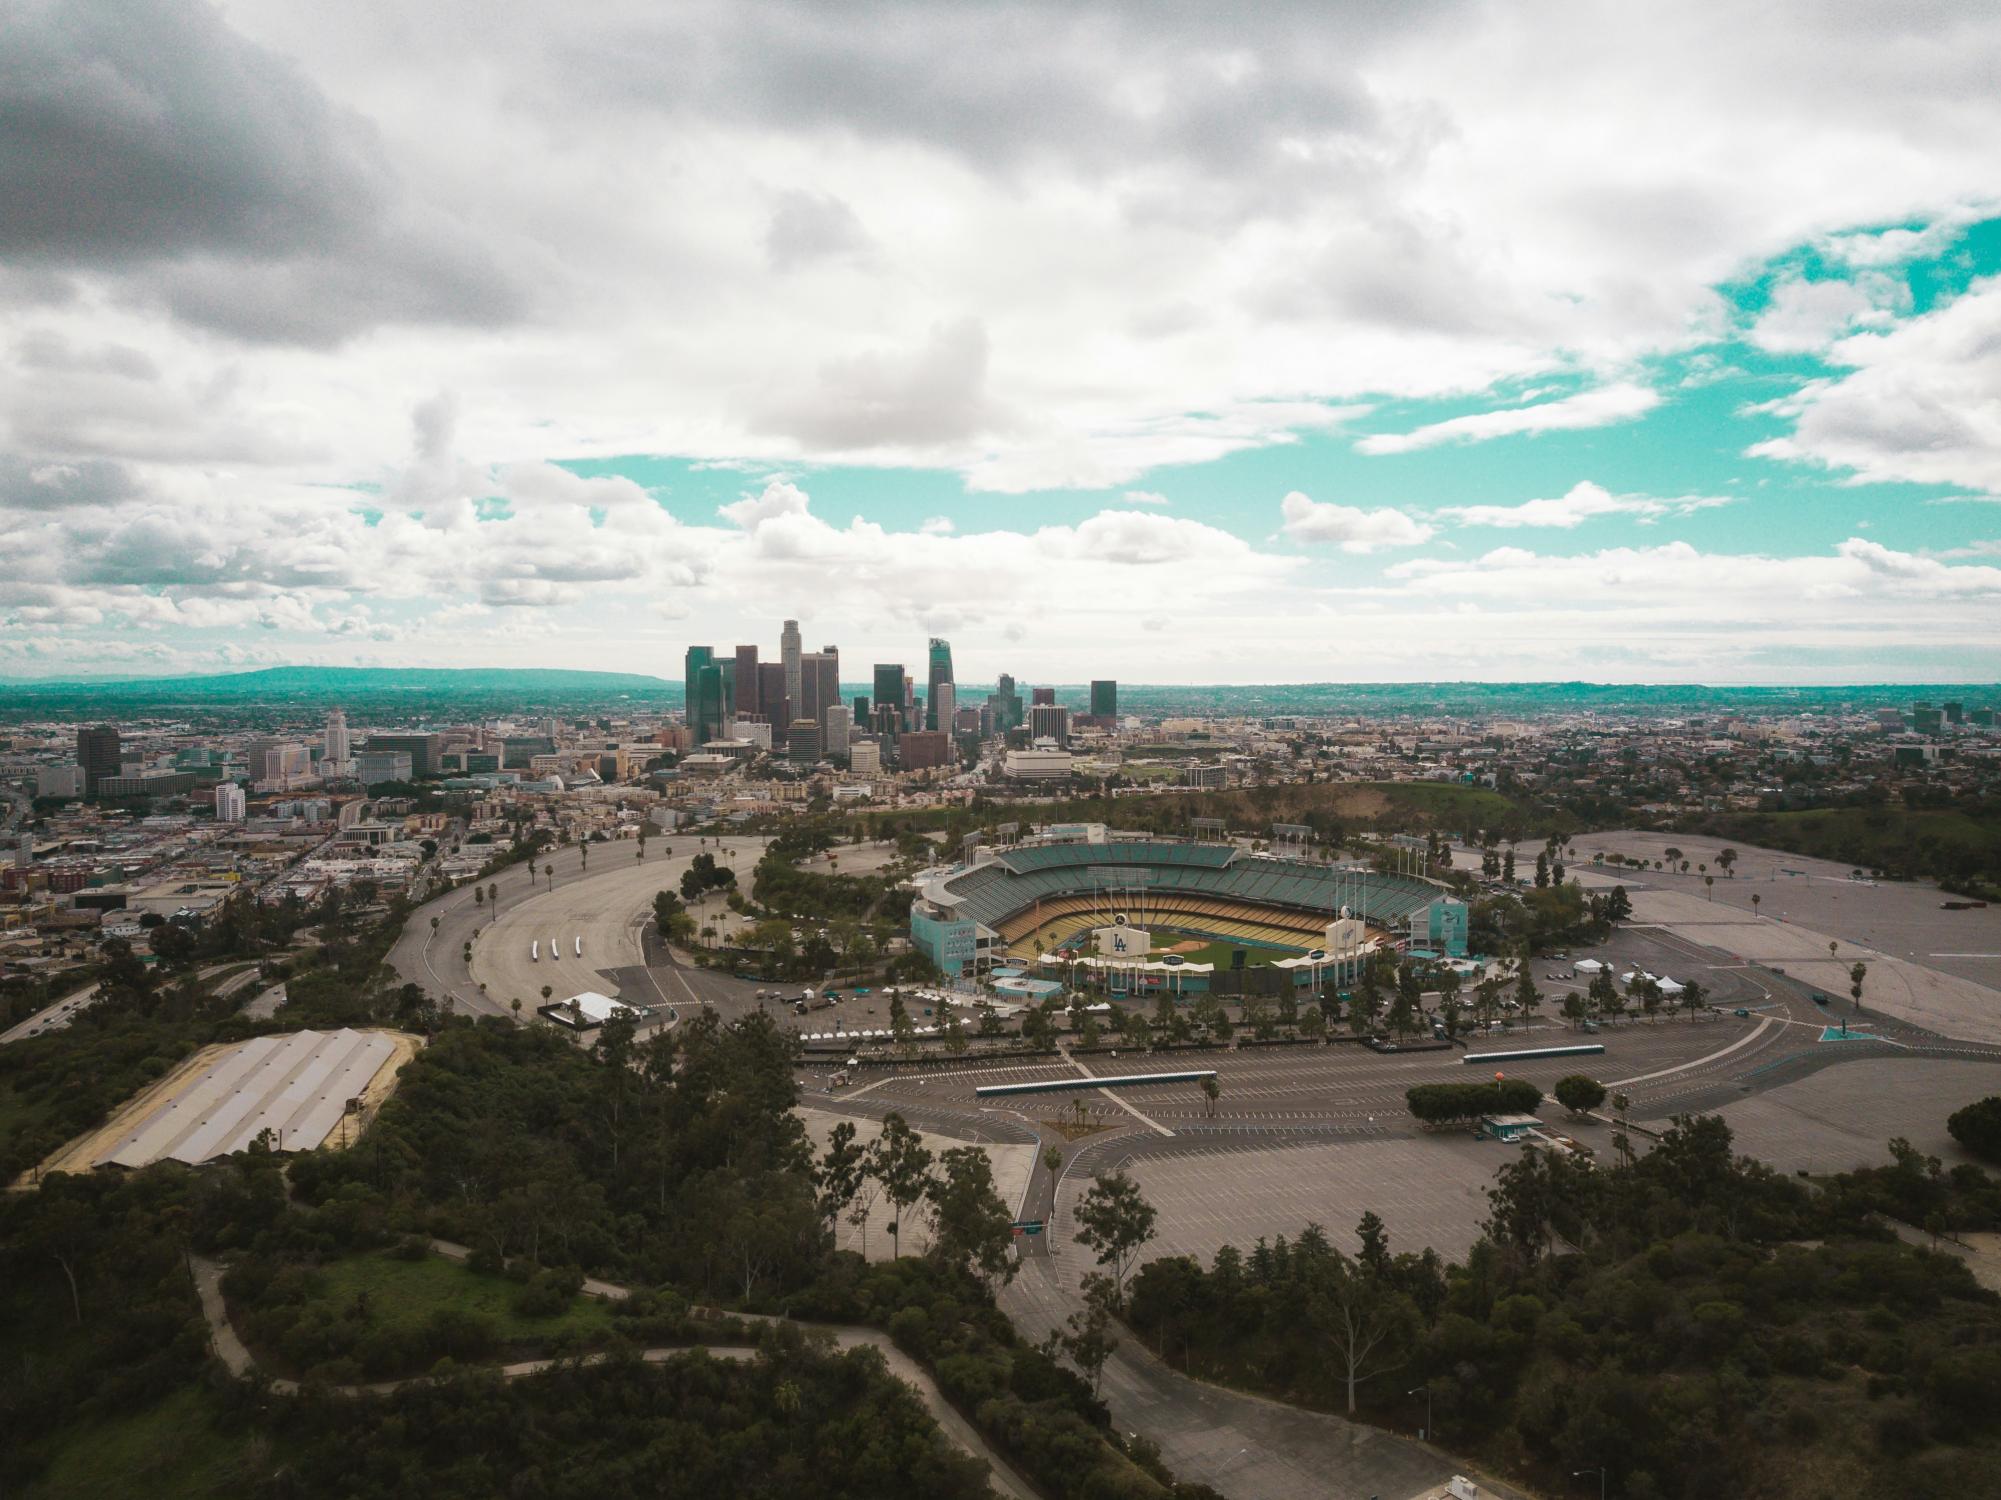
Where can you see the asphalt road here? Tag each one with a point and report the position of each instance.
(606, 900)
(50, 1018)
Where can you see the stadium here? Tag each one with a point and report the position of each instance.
(1135, 914)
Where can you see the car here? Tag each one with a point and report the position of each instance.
(1741, 1013)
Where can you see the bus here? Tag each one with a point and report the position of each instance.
(535, 951)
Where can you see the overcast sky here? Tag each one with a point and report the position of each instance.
(1168, 342)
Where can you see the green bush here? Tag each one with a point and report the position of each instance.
(1977, 1127)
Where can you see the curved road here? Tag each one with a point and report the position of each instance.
(231, 1350)
(606, 902)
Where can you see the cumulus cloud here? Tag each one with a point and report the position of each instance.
(1583, 502)
(911, 398)
(1350, 527)
(1807, 316)
(1920, 402)
(1593, 408)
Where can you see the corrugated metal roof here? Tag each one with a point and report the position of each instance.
(295, 1086)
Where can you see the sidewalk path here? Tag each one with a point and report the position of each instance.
(230, 1349)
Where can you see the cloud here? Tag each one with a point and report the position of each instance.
(915, 398)
(1145, 497)
(1921, 401)
(808, 228)
(1584, 501)
(1349, 527)
(1593, 408)
(155, 144)
(938, 526)
(778, 498)
(1807, 316)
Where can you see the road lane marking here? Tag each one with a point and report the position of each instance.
(1745, 1041)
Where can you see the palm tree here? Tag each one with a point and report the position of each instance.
(434, 924)
(1754, 903)
(1709, 884)
(547, 991)
(516, 1007)
(1052, 1163)
(1211, 1091)
(479, 895)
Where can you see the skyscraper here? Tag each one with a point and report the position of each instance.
(772, 700)
(889, 691)
(697, 658)
(749, 683)
(97, 753)
(941, 672)
(789, 652)
(837, 725)
(1104, 698)
(1007, 705)
(820, 682)
(336, 745)
(944, 706)
(710, 715)
(1041, 695)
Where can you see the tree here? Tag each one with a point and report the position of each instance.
(1726, 860)
(1527, 996)
(1855, 977)
(955, 1032)
(1369, 1322)
(1977, 1127)
(973, 1224)
(1692, 996)
(901, 1160)
(666, 907)
(1086, 1336)
(1052, 1163)
(1115, 1220)
(1579, 1093)
(841, 1172)
(1212, 1090)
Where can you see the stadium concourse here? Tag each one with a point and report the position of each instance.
(1031, 902)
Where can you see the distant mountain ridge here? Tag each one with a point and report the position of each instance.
(548, 686)
(517, 689)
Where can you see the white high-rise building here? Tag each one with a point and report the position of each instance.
(837, 726)
(865, 758)
(791, 652)
(945, 705)
(336, 740)
(230, 803)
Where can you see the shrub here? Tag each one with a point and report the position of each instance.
(1977, 1127)
(1579, 1093)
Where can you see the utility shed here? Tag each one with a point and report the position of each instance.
(1507, 1127)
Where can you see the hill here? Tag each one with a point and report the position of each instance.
(429, 689)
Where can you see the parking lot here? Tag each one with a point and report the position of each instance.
(1216, 1191)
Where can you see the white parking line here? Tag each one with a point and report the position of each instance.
(1743, 1041)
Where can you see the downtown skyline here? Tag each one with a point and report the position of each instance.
(1294, 351)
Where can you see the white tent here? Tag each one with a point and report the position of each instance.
(1670, 987)
(1589, 966)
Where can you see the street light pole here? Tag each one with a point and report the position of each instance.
(1425, 1390)
(1599, 1471)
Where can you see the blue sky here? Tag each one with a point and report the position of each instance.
(1325, 342)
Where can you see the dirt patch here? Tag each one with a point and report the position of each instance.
(1360, 802)
(1189, 945)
